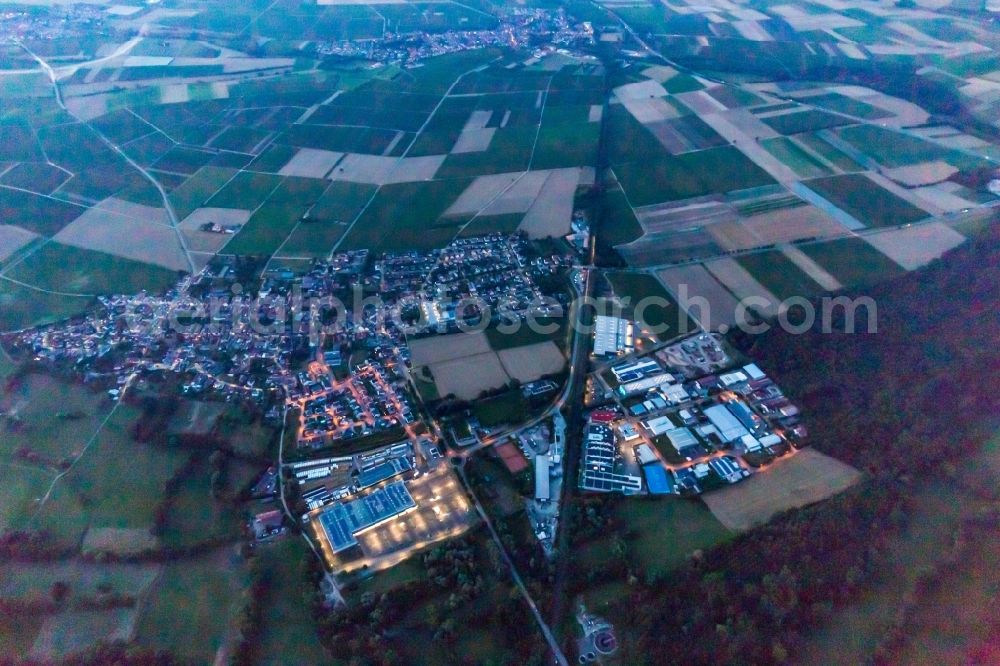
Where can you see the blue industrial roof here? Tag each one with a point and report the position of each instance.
(656, 479)
(384, 471)
(345, 519)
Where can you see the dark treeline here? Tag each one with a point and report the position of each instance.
(903, 404)
(457, 575)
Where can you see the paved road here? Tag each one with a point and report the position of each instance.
(557, 653)
(54, 79)
(333, 587)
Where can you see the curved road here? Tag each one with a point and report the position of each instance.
(54, 79)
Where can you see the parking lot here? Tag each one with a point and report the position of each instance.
(442, 512)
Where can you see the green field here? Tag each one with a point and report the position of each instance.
(796, 159)
(36, 213)
(103, 485)
(828, 152)
(628, 139)
(658, 307)
(195, 515)
(659, 534)
(22, 307)
(668, 530)
(289, 629)
(17, 143)
(895, 149)
(64, 268)
(852, 107)
(192, 605)
(405, 217)
(712, 171)
(198, 189)
(862, 198)
(277, 217)
(566, 145)
(524, 335)
(328, 219)
(852, 261)
(809, 120)
(246, 190)
(57, 417)
(510, 150)
(779, 275)
(35, 176)
(509, 407)
(272, 158)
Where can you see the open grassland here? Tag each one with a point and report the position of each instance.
(659, 534)
(863, 199)
(52, 417)
(289, 629)
(193, 605)
(52, 636)
(102, 490)
(195, 515)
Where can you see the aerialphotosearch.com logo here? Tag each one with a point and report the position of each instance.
(295, 313)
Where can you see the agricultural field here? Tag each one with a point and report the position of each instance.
(801, 479)
(447, 359)
(193, 605)
(659, 310)
(289, 629)
(712, 171)
(852, 261)
(294, 162)
(779, 275)
(864, 200)
(63, 447)
(659, 535)
(797, 159)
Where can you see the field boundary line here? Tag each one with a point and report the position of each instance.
(86, 448)
(399, 160)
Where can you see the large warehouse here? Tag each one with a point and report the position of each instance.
(343, 520)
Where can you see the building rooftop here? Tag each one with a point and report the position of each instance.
(345, 519)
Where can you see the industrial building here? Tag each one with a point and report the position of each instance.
(645, 384)
(728, 426)
(342, 521)
(542, 478)
(598, 469)
(612, 336)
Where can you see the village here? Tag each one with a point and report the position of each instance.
(364, 454)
